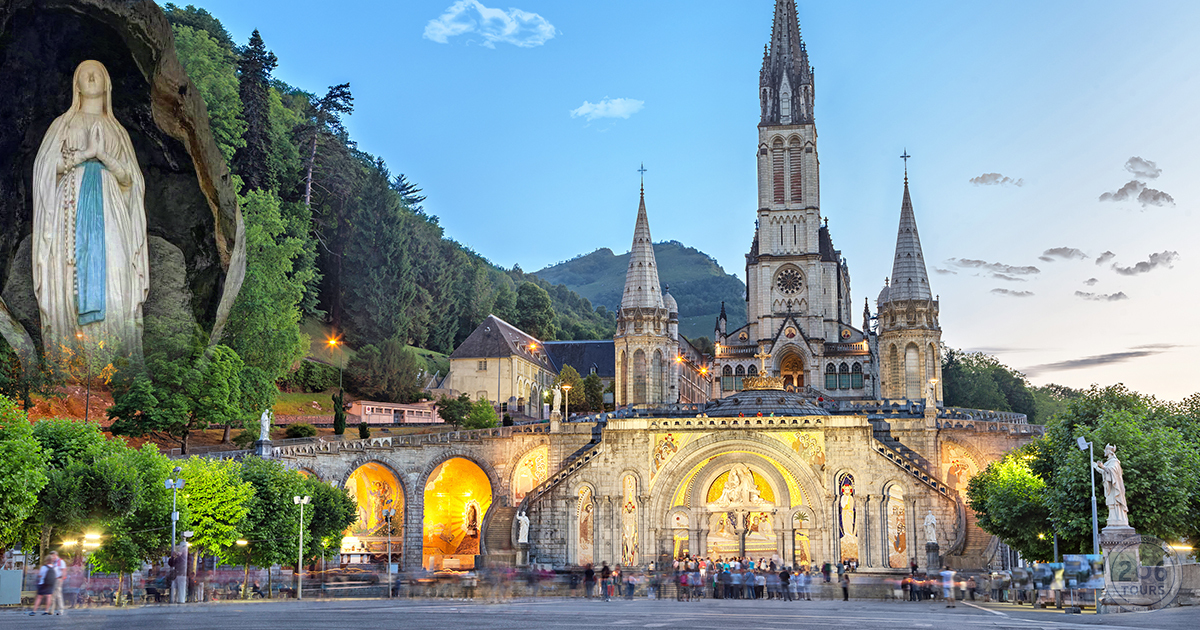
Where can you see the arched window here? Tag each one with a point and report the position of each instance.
(777, 171)
(844, 376)
(893, 372)
(738, 374)
(727, 378)
(795, 158)
(856, 376)
(831, 377)
(640, 379)
(912, 372)
(658, 382)
(752, 371)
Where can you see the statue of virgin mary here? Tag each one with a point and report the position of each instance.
(90, 267)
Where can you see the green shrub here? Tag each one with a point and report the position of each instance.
(311, 377)
(244, 439)
(301, 430)
(364, 431)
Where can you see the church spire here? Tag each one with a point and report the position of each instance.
(786, 79)
(641, 280)
(909, 280)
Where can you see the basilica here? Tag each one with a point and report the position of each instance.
(804, 438)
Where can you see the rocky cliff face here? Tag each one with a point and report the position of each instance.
(190, 200)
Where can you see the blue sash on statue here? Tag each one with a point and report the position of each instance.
(90, 246)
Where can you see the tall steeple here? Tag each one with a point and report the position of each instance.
(641, 280)
(786, 80)
(909, 280)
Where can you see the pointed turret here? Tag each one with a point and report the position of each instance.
(786, 79)
(909, 280)
(641, 280)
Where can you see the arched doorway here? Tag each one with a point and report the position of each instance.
(532, 469)
(457, 497)
(792, 371)
(375, 490)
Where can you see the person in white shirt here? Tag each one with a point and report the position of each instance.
(60, 569)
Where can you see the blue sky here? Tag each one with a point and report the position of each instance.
(1059, 96)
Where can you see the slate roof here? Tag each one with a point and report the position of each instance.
(498, 338)
(584, 355)
(909, 279)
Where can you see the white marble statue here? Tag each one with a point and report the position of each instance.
(523, 532)
(740, 488)
(1114, 487)
(90, 257)
(557, 408)
(930, 528)
(264, 425)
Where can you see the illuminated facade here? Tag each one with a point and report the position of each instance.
(788, 451)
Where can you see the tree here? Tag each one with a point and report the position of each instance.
(333, 511)
(364, 430)
(22, 472)
(339, 413)
(325, 121)
(593, 393)
(215, 505)
(212, 67)
(978, 381)
(505, 304)
(1009, 502)
(252, 161)
(87, 481)
(264, 325)
(569, 376)
(199, 19)
(188, 394)
(272, 515)
(388, 373)
(454, 410)
(1161, 463)
(481, 416)
(139, 536)
(535, 311)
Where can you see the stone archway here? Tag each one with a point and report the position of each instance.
(791, 368)
(376, 490)
(685, 480)
(457, 496)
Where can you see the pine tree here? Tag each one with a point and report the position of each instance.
(252, 161)
(326, 120)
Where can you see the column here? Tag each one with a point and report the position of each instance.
(864, 538)
(648, 542)
(414, 525)
(606, 530)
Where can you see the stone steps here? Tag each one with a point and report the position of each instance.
(498, 536)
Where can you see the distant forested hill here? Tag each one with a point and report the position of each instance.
(698, 283)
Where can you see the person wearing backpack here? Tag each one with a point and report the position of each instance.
(46, 578)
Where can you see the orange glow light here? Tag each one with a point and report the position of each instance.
(333, 342)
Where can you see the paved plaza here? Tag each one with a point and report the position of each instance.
(574, 613)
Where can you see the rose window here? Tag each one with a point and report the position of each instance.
(788, 281)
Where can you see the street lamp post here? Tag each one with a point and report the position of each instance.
(566, 387)
(1086, 445)
(333, 345)
(87, 401)
(389, 514)
(301, 501)
(180, 586)
(242, 542)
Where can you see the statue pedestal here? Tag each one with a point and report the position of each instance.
(933, 559)
(1122, 564)
(263, 449)
(522, 554)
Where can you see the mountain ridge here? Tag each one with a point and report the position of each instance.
(698, 283)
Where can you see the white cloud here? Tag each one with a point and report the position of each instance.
(1102, 297)
(1012, 293)
(1163, 259)
(1142, 168)
(514, 26)
(996, 179)
(608, 108)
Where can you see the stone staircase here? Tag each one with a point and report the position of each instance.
(498, 537)
(916, 466)
(569, 466)
(978, 549)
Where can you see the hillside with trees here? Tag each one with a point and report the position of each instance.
(695, 279)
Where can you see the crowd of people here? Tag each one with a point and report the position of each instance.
(686, 579)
